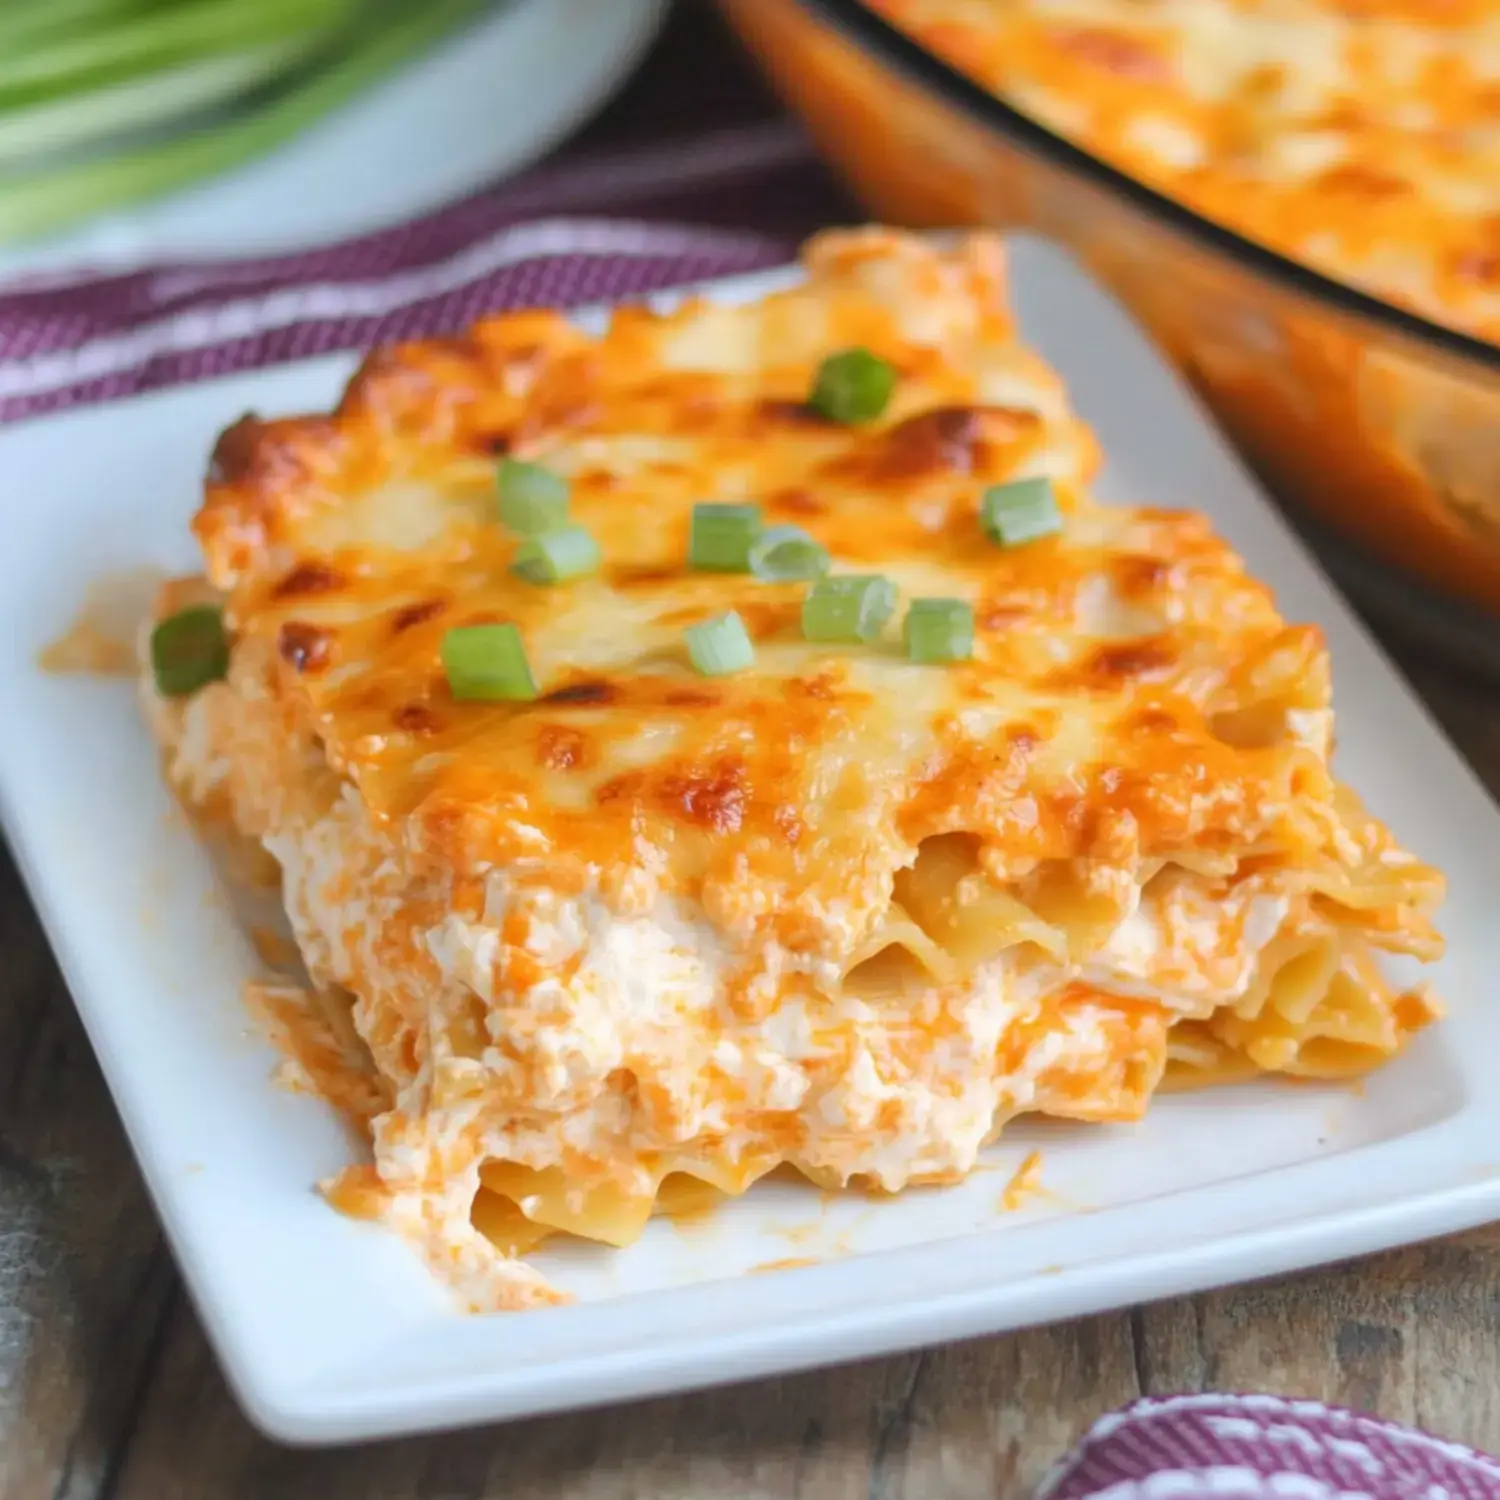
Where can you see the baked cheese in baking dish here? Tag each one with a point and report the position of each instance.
(671, 921)
(1361, 137)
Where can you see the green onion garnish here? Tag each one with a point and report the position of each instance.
(1019, 512)
(555, 556)
(189, 650)
(854, 386)
(939, 630)
(849, 608)
(722, 536)
(487, 662)
(532, 499)
(785, 554)
(719, 646)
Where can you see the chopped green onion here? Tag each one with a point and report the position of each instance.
(939, 630)
(189, 650)
(854, 386)
(532, 499)
(1020, 512)
(556, 556)
(722, 536)
(850, 608)
(785, 554)
(720, 646)
(487, 662)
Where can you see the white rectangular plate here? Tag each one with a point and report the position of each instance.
(331, 1330)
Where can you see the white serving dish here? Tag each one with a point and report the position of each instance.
(331, 1330)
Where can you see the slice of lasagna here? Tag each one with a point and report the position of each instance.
(738, 740)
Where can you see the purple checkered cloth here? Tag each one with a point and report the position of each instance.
(1212, 1447)
(91, 336)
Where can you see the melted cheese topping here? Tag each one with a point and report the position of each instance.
(838, 911)
(1359, 136)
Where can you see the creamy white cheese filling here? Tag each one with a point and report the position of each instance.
(646, 1031)
(648, 996)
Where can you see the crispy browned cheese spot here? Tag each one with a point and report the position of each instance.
(308, 578)
(415, 614)
(306, 647)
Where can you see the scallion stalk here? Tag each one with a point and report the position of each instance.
(51, 55)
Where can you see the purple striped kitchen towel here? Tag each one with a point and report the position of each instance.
(1218, 1447)
(96, 336)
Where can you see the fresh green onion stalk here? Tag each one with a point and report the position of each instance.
(532, 498)
(104, 103)
(852, 608)
(1020, 512)
(783, 554)
(189, 650)
(853, 386)
(557, 556)
(487, 663)
(939, 630)
(722, 536)
(720, 646)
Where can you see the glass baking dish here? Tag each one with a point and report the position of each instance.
(1380, 430)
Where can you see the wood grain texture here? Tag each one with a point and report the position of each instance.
(108, 1389)
(972, 1420)
(84, 1277)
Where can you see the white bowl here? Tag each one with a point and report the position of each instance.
(483, 103)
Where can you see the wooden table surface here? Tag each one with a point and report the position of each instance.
(107, 1387)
